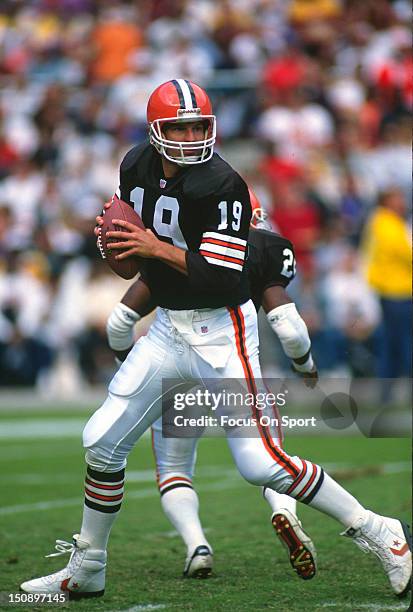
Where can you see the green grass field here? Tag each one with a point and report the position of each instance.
(42, 482)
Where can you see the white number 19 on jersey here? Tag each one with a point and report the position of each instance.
(236, 214)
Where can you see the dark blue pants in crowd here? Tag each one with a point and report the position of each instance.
(395, 353)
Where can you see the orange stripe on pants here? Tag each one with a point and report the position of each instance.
(276, 453)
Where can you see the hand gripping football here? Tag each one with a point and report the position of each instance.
(129, 267)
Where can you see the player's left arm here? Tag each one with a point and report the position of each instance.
(135, 304)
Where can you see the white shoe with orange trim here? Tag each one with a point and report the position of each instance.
(301, 550)
(84, 575)
(390, 540)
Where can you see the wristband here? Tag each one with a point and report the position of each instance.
(119, 327)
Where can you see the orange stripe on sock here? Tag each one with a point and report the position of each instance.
(106, 487)
(309, 483)
(174, 479)
(298, 480)
(104, 497)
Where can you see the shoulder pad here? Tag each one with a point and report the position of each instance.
(266, 239)
(139, 153)
(214, 177)
(278, 240)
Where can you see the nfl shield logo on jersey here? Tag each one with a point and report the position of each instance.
(204, 329)
(162, 183)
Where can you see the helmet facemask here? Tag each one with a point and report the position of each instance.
(164, 146)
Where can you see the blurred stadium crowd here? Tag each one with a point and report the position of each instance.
(313, 102)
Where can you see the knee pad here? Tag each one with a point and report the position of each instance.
(257, 477)
(101, 461)
(255, 472)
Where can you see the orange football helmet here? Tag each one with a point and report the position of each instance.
(259, 218)
(175, 101)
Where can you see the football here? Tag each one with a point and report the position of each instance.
(129, 267)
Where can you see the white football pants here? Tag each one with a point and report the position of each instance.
(193, 346)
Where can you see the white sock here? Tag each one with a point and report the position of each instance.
(96, 527)
(278, 501)
(338, 503)
(181, 507)
(103, 499)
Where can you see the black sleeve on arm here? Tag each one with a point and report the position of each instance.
(128, 172)
(219, 261)
(279, 263)
(203, 277)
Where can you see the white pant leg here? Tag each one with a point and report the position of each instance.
(259, 459)
(134, 399)
(175, 459)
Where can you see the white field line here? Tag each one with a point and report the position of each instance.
(373, 607)
(142, 607)
(211, 471)
(38, 429)
(348, 606)
(53, 448)
(397, 467)
(132, 476)
(46, 505)
(391, 467)
(228, 483)
(45, 428)
(24, 429)
(174, 534)
(232, 480)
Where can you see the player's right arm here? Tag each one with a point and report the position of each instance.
(135, 304)
(219, 261)
(126, 178)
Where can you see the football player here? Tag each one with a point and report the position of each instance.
(271, 267)
(197, 212)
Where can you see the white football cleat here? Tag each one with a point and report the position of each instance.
(199, 564)
(389, 539)
(301, 550)
(84, 575)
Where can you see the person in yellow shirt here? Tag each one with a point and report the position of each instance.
(387, 250)
(304, 11)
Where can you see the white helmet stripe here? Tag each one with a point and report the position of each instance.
(186, 93)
